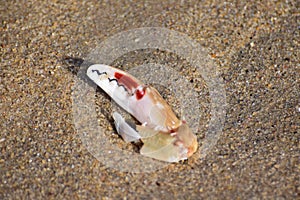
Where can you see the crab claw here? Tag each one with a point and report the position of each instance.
(165, 137)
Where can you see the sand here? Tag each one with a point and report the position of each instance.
(255, 48)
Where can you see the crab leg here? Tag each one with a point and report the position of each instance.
(127, 132)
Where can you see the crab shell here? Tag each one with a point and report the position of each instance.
(164, 136)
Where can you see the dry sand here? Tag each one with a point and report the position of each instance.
(255, 47)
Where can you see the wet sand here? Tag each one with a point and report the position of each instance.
(256, 51)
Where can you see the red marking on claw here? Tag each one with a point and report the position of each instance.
(126, 81)
(118, 75)
(140, 93)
